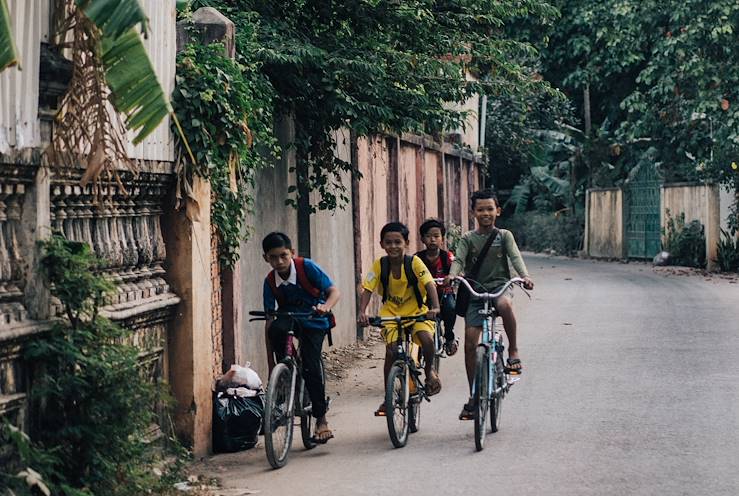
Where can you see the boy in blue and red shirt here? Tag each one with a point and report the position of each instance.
(298, 284)
(439, 261)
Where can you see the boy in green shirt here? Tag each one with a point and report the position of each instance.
(493, 273)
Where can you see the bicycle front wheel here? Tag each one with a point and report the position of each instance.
(438, 346)
(496, 405)
(307, 424)
(480, 396)
(278, 416)
(396, 405)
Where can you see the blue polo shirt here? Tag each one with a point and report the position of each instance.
(296, 298)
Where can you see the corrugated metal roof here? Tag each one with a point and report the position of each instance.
(19, 125)
(162, 47)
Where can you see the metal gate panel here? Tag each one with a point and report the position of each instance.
(643, 224)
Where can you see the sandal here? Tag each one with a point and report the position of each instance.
(323, 434)
(514, 366)
(381, 412)
(451, 346)
(433, 384)
(468, 411)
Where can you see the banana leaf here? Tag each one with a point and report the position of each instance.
(556, 186)
(8, 52)
(115, 17)
(135, 89)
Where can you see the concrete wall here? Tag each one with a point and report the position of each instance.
(698, 202)
(604, 223)
(726, 199)
(332, 247)
(270, 214)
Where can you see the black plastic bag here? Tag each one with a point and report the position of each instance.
(236, 421)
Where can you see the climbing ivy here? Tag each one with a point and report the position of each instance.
(225, 106)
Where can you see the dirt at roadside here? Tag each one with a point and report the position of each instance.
(337, 360)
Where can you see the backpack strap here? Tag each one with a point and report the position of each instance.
(410, 275)
(384, 276)
(275, 290)
(303, 280)
(445, 263)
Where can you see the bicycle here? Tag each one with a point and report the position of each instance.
(286, 385)
(489, 393)
(404, 391)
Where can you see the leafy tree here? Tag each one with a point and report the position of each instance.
(377, 66)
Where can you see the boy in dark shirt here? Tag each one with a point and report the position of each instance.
(299, 285)
(439, 261)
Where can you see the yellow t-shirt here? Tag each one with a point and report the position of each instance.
(401, 299)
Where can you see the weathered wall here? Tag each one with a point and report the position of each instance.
(604, 223)
(726, 199)
(332, 247)
(698, 202)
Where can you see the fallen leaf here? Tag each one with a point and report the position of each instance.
(567, 323)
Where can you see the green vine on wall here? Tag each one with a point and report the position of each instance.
(224, 107)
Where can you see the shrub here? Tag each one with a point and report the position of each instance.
(686, 244)
(94, 407)
(727, 255)
(554, 232)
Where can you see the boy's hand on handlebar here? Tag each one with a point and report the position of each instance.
(432, 313)
(528, 283)
(322, 308)
(363, 319)
(448, 280)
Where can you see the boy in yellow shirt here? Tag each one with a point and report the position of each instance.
(402, 299)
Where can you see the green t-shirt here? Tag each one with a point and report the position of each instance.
(494, 270)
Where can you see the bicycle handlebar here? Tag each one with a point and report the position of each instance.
(259, 315)
(489, 296)
(378, 321)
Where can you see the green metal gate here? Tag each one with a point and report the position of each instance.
(643, 222)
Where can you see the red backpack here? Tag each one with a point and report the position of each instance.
(304, 282)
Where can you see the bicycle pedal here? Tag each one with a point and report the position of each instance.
(512, 380)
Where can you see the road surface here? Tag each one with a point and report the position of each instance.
(630, 387)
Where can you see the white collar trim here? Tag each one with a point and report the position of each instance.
(291, 279)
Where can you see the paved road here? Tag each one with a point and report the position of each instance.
(631, 387)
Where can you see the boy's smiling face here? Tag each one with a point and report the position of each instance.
(433, 239)
(394, 245)
(279, 259)
(486, 211)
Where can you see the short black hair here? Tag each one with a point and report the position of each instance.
(483, 194)
(276, 239)
(429, 224)
(398, 227)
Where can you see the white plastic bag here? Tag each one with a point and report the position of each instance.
(243, 376)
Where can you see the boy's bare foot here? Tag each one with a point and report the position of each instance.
(323, 433)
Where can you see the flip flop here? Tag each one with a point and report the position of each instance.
(433, 385)
(451, 346)
(468, 412)
(511, 369)
(318, 436)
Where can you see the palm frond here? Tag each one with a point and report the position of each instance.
(8, 53)
(556, 186)
(115, 17)
(520, 196)
(135, 89)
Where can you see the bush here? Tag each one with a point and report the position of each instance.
(727, 255)
(554, 232)
(686, 244)
(94, 407)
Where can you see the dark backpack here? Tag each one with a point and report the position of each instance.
(305, 283)
(445, 263)
(410, 275)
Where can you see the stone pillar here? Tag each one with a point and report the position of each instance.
(188, 237)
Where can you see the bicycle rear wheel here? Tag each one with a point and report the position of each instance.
(496, 404)
(278, 417)
(307, 425)
(396, 405)
(480, 396)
